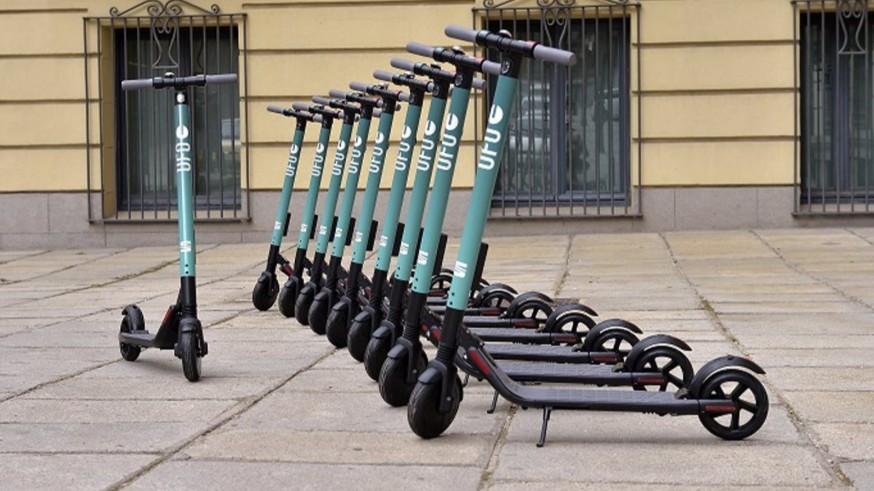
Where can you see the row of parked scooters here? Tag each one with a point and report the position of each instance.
(486, 330)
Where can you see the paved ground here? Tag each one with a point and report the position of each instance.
(279, 408)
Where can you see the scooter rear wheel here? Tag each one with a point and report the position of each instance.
(265, 292)
(359, 335)
(188, 344)
(393, 386)
(616, 341)
(670, 362)
(747, 393)
(423, 410)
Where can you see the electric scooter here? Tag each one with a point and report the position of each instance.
(180, 330)
(365, 231)
(363, 107)
(729, 400)
(267, 287)
(295, 281)
(383, 338)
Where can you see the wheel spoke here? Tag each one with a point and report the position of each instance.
(736, 393)
(675, 380)
(735, 420)
(670, 366)
(616, 344)
(748, 406)
(720, 394)
(652, 365)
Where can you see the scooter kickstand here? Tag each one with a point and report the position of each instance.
(491, 408)
(546, 413)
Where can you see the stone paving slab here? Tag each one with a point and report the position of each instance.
(279, 405)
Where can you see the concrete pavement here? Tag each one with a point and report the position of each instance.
(279, 408)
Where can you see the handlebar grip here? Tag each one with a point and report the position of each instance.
(491, 67)
(317, 118)
(135, 84)
(337, 94)
(420, 49)
(276, 109)
(462, 33)
(554, 55)
(298, 106)
(402, 64)
(221, 78)
(383, 75)
(479, 83)
(322, 100)
(358, 87)
(403, 97)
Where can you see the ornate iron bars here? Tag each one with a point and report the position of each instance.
(135, 172)
(834, 137)
(569, 146)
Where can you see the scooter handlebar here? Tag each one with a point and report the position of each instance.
(322, 100)
(479, 83)
(337, 94)
(297, 106)
(221, 78)
(402, 64)
(530, 49)
(136, 84)
(420, 49)
(381, 75)
(279, 110)
(490, 67)
(358, 86)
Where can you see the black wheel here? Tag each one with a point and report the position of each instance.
(441, 281)
(615, 340)
(129, 352)
(747, 393)
(302, 303)
(359, 335)
(423, 414)
(265, 292)
(670, 362)
(375, 356)
(495, 296)
(318, 315)
(393, 386)
(188, 350)
(533, 308)
(336, 325)
(288, 296)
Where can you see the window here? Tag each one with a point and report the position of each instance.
(568, 147)
(837, 156)
(135, 128)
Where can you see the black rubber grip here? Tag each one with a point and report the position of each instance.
(298, 106)
(402, 64)
(321, 100)
(462, 33)
(358, 86)
(136, 84)
(277, 109)
(420, 49)
(382, 75)
(491, 67)
(221, 78)
(554, 55)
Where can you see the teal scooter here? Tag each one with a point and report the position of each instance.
(267, 287)
(295, 282)
(384, 337)
(725, 394)
(180, 330)
(344, 308)
(364, 108)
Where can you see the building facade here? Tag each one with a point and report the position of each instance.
(679, 115)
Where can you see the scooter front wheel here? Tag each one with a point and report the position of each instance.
(318, 314)
(749, 398)
(359, 335)
(303, 302)
(288, 296)
(337, 323)
(265, 292)
(375, 355)
(393, 386)
(188, 343)
(423, 410)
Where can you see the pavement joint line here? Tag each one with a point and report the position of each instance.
(559, 284)
(800, 270)
(57, 380)
(231, 413)
(26, 256)
(71, 266)
(500, 441)
(826, 460)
